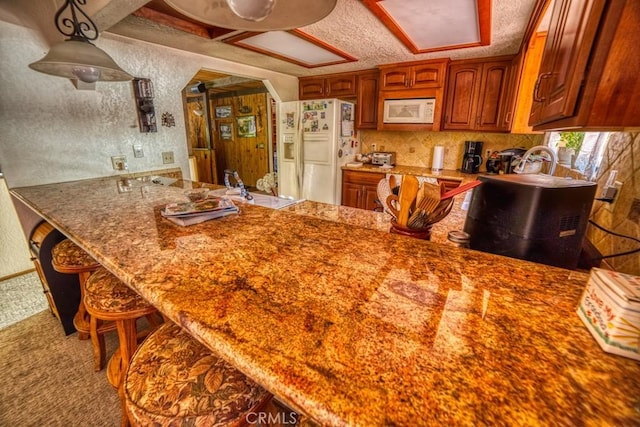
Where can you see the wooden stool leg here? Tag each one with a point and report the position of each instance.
(127, 335)
(82, 319)
(97, 341)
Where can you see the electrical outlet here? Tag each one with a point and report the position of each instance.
(167, 157)
(137, 151)
(373, 147)
(382, 148)
(119, 163)
(618, 188)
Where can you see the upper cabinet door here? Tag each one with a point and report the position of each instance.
(493, 99)
(367, 100)
(395, 78)
(340, 86)
(462, 95)
(311, 88)
(572, 30)
(427, 75)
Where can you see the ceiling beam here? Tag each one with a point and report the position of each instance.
(172, 21)
(115, 11)
(228, 81)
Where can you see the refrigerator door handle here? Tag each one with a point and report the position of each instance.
(299, 155)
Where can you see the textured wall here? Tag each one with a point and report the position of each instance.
(623, 217)
(52, 132)
(416, 148)
(14, 252)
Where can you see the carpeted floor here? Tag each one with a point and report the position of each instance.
(47, 378)
(20, 297)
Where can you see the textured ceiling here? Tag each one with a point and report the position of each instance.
(352, 28)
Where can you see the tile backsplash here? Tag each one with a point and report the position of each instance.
(623, 216)
(416, 148)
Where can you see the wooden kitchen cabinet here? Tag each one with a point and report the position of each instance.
(342, 85)
(360, 189)
(477, 95)
(589, 77)
(367, 85)
(413, 75)
(418, 79)
(524, 71)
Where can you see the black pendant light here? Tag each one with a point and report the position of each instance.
(77, 57)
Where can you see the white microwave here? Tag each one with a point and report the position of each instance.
(418, 110)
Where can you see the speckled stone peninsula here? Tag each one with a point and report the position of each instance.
(353, 325)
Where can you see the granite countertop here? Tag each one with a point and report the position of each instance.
(354, 326)
(450, 174)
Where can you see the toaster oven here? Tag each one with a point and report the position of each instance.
(384, 158)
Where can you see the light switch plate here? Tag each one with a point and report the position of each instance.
(137, 151)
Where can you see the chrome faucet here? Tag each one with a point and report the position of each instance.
(243, 191)
(523, 162)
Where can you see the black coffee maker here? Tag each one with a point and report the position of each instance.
(472, 157)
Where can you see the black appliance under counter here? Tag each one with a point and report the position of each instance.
(534, 217)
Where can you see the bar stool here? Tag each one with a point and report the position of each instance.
(175, 381)
(69, 258)
(108, 299)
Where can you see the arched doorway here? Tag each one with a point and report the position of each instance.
(230, 125)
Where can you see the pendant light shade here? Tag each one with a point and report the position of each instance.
(77, 57)
(252, 10)
(255, 15)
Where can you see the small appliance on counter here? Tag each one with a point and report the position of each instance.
(472, 157)
(510, 158)
(384, 158)
(534, 217)
(494, 163)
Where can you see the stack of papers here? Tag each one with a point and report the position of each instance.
(189, 213)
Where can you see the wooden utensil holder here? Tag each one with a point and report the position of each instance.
(421, 233)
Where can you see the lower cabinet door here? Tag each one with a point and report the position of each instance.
(351, 194)
(369, 197)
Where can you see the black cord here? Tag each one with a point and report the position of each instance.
(613, 233)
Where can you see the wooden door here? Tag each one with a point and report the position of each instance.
(242, 139)
(367, 101)
(492, 98)
(311, 88)
(204, 164)
(462, 94)
(340, 86)
(196, 118)
(572, 31)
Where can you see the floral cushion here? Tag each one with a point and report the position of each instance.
(175, 381)
(66, 255)
(106, 293)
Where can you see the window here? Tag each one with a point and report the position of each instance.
(580, 151)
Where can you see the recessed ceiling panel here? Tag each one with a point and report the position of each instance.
(436, 24)
(293, 46)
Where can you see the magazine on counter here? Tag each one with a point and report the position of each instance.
(189, 213)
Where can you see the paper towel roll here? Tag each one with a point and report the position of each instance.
(438, 158)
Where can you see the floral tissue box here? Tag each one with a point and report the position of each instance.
(610, 307)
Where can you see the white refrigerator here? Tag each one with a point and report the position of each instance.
(315, 139)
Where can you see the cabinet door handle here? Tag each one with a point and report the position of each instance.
(507, 118)
(536, 96)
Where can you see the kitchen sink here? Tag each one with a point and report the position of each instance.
(258, 199)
